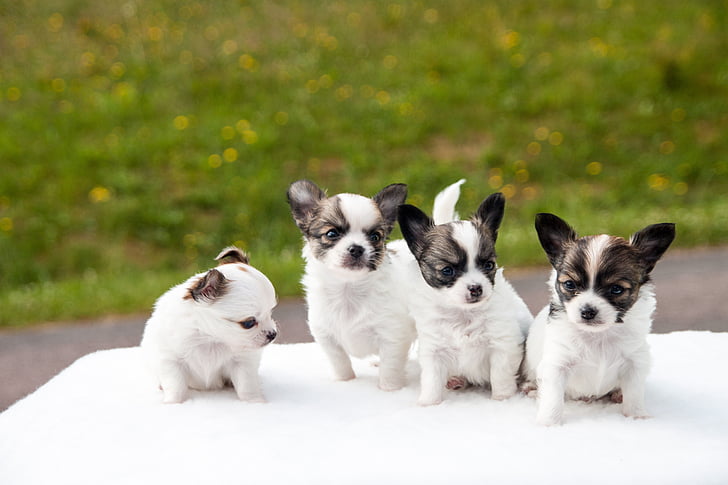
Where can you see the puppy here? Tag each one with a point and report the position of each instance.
(590, 342)
(210, 331)
(354, 306)
(470, 322)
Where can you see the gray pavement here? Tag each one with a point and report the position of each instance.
(691, 294)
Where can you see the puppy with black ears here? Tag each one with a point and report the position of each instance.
(471, 323)
(354, 302)
(209, 331)
(590, 341)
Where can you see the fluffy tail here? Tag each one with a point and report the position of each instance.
(443, 210)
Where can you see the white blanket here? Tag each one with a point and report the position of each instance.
(101, 421)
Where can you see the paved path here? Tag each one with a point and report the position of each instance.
(691, 293)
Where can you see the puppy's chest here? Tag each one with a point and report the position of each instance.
(460, 331)
(208, 363)
(596, 370)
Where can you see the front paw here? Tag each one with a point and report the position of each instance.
(503, 392)
(390, 384)
(344, 375)
(176, 397)
(636, 413)
(429, 399)
(501, 396)
(252, 398)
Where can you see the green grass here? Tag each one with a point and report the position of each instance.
(139, 138)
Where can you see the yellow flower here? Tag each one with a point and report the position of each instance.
(181, 122)
(99, 194)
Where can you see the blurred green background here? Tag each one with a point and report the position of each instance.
(138, 138)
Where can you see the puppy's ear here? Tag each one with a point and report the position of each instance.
(388, 200)
(233, 255)
(652, 242)
(303, 197)
(554, 234)
(415, 225)
(490, 213)
(208, 288)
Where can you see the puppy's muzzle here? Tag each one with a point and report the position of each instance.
(270, 335)
(356, 251)
(589, 313)
(475, 292)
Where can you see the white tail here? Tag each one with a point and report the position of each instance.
(443, 211)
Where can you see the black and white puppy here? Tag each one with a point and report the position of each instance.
(210, 330)
(471, 323)
(354, 302)
(590, 342)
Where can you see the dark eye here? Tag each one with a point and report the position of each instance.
(375, 237)
(569, 285)
(332, 234)
(616, 290)
(447, 271)
(489, 266)
(249, 323)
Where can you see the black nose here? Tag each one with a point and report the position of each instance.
(356, 251)
(271, 335)
(588, 313)
(475, 290)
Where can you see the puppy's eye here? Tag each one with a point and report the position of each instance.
(489, 266)
(375, 237)
(249, 323)
(332, 234)
(447, 271)
(569, 285)
(616, 290)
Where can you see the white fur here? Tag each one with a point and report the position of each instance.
(444, 207)
(200, 344)
(572, 360)
(358, 312)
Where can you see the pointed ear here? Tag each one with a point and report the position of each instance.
(232, 254)
(652, 242)
(490, 213)
(389, 199)
(415, 225)
(554, 233)
(303, 197)
(208, 288)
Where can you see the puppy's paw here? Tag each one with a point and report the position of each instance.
(432, 399)
(455, 383)
(252, 398)
(530, 389)
(344, 376)
(502, 396)
(174, 397)
(390, 385)
(616, 396)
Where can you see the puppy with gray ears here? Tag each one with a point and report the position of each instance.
(354, 303)
(590, 341)
(471, 323)
(209, 331)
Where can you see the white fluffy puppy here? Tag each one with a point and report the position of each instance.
(590, 341)
(209, 331)
(471, 323)
(354, 304)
